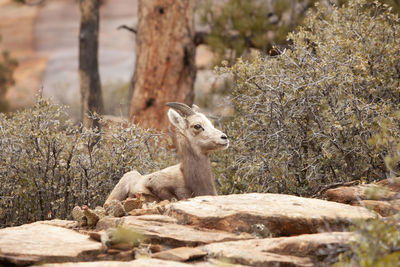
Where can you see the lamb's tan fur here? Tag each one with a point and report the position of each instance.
(193, 176)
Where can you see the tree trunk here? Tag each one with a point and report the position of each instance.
(91, 98)
(165, 68)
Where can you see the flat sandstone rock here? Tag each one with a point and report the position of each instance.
(168, 233)
(266, 214)
(382, 197)
(237, 227)
(41, 242)
(302, 250)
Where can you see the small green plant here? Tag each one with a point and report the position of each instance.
(48, 165)
(377, 244)
(123, 235)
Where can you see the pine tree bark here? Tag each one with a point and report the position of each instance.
(165, 68)
(91, 96)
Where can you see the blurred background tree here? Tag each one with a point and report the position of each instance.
(165, 69)
(7, 66)
(235, 27)
(89, 77)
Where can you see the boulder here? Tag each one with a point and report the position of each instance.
(43, 242)
(164, 230)
(266, 214)
(392, 184)
(302, 250)
(347, 194)
(384, 208)
(383, 197)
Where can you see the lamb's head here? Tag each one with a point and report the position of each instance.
(196, 128)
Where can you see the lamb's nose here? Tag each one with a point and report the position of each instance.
(224, 137)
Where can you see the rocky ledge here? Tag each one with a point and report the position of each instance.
(249, 229)
(383, 197)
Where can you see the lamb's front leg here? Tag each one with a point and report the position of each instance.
(158, 187)
(167, 185)
(123, 188)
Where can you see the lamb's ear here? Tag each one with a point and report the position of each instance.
(177, 120)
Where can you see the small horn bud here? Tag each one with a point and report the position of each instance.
(183, 109)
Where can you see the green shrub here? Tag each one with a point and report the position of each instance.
(306, 118)
(49, 165)
(377, 243)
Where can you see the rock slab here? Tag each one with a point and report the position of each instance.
(239, 228)
(164, 230)
(383, 197)
(39, 242)
(302, 250)
(266, 214)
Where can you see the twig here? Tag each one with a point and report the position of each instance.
(127, 28)
(395, 249)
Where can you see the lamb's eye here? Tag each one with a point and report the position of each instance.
(197, 127)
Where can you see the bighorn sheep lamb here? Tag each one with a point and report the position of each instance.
(196, 137)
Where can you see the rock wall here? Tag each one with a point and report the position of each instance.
(236, 230)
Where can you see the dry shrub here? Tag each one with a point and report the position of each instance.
(307, 117)
(48, 165)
